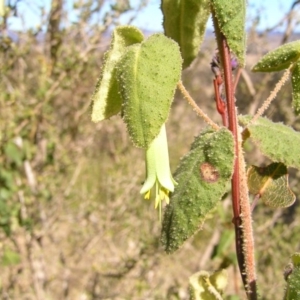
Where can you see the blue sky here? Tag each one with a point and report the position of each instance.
(270, 12)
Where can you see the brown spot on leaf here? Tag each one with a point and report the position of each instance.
(208, 172)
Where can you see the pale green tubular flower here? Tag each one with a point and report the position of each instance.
(158, 170)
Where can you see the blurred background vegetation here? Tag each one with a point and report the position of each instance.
(72, 222)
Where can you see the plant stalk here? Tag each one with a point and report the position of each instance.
(232, 121)
(244, 244)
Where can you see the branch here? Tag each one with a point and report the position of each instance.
(240, 198)
(196, 108)
(273, 94)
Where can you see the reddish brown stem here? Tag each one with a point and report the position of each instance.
(236, 180)
(240, 201)
(232, 122)
(220, 103)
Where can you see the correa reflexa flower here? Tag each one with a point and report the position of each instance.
(158, 170)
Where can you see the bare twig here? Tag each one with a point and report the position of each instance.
(209, 249)
(248, 82)
(237, 78)
(73, 179)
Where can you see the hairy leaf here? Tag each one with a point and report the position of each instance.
(185, 22)
(279, 59)
(106, 99)
(293, 279)
(206, 286)
(148, 74)
(231, 20)
(202, 177)
(277, 141)
(296, 88)
(271, 184)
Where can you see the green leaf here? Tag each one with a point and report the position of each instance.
(185, 22)
(230, 16)
(296, 88)
(202, 176)
(279, 59)
(277, 141)
(271, 184)
(293, 283)
(106, 99)
(148, 75)
(293, 280)
(205, 286)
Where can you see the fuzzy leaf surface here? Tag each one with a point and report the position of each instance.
(279, 59)
(293, 280)
(296, 88)
(231, 18)
(277, 141)
(185, 22)
(271, 183)
(148, 74)
(293, 283)
(202, 177)
(106, 99)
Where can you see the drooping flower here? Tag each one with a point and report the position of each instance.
(158, 170)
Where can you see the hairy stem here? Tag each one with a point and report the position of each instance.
(273, 94)
(196, 108)
(224, 53)
(247, 232)
(241, 208)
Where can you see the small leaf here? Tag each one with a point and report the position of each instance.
(279, 59)
(275, 140)
(296, 88)
(271, 184)
(205, 286)
(106, 98)
(231, 20)
(202, 177)
(185, 22)
(148, 75)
